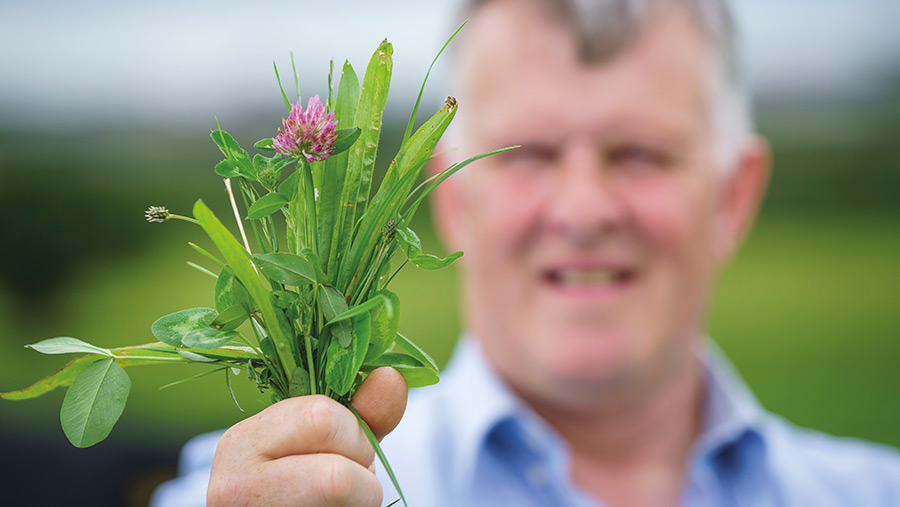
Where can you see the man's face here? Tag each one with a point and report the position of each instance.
(591, 249)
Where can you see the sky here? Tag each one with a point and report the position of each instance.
(176, 64)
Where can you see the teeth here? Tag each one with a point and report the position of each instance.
(585, 277)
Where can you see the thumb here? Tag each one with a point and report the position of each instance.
(381, 400)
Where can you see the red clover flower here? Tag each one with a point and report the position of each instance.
(309, 133)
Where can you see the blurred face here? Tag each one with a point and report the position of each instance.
(591, 249)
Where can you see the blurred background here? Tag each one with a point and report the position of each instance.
(105, 108)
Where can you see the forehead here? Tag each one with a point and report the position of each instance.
(521, 72)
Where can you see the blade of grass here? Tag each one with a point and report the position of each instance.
(377, 446)
(412, 117)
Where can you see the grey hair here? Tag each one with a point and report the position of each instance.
(605, 27)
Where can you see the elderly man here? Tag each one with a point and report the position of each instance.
(591, 253)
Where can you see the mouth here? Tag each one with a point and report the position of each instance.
(588, 280)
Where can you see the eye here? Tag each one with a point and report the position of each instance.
(638, 157)
(530, 157)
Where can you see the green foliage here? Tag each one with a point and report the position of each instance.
(94, 402)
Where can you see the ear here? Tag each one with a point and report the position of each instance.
(742, 195)
(446, 204)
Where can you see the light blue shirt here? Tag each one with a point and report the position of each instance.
(470, 441)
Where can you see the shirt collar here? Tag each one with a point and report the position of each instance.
(483, 405)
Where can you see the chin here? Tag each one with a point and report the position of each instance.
(591, 359)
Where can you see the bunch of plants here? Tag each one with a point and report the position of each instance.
(301, 303)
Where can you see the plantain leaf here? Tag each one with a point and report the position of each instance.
(287, 268)
(334, 170)
(238, 260)
(172, 328)
(392, 193)
(361, 159)
(266, 205)
(67, 345)
(385, 324)
(94, 402)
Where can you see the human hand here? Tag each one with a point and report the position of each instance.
(309, 450)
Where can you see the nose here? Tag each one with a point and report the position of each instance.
(585, 207)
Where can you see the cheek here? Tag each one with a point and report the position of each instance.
(674, 215)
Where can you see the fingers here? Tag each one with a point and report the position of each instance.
(381, 400)
(305, 425)
(314, 479)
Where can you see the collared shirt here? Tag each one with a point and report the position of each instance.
(470, 441)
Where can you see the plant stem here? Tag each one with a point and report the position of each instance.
(237, 214)
(307, 339)
(311, 222)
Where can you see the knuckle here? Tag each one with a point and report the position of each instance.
(338, 481)
(319, 417)
(225, 490)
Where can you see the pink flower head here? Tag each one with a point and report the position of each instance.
(309, 133)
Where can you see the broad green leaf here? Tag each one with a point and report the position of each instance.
(229, 292)
(300, 385)
(264, 144)
(345, 139)
(94, 402)
(266, 205)
(287, 268)
(415, 351)
(229, 319)
(209, 338)
(239, 261)
(172, 328)
(412, 248)
(333, 304)
(67, 345)
(333, 171)
(385, 324)
(343, 363)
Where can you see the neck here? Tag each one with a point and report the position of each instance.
(632, 448)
